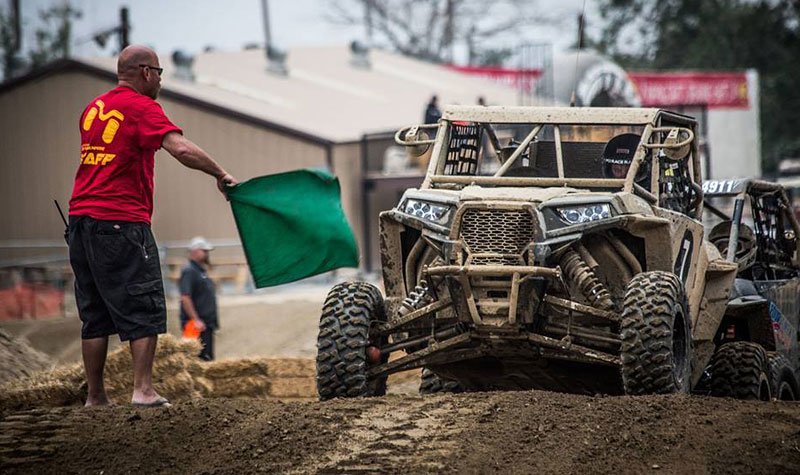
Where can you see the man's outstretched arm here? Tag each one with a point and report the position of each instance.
(192, 156)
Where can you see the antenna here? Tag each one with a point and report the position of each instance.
(573, 97)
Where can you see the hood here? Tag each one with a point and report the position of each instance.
(527, 194)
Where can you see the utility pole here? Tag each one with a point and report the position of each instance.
(368, 20)
(124, 28)
(267, 35)
(17, 25)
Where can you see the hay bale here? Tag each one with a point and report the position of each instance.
(235, 368)
(295, 388)
(180, 387)
(19, 359)
(173, 374)
(248, 386)
(290, 367)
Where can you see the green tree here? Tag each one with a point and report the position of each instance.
(54, 39)
(714, 35)
(8, 45)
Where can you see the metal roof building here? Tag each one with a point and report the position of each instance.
(252, 121)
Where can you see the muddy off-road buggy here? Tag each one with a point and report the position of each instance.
(549, 248)
(757, 342)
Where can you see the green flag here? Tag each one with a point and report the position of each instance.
(292, 226)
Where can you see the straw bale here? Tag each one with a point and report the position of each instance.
(303, 387)
(203, 386)
(404, 376)
(290, 367)
(173, 369)
(179, 387)
(235, 368)
(249, 386)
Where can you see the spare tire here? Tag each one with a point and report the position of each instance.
(344, 335)
(740, 370)
(656, 349)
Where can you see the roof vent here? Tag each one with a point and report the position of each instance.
(276, 61)
(360, 58)
(183, 62)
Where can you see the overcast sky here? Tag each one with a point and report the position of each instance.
(228, 25)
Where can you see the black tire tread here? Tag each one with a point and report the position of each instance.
(344, 325)
(737, 369)
(780, 370)
(646, 332)
(432, 383)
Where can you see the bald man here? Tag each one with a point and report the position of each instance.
(118, 285)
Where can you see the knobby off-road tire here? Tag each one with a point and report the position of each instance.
(432, 383)
(782, 382)
(349, 310)
(740, 370)
(656, 350)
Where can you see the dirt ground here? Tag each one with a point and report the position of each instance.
(517, 432)
(513, 432)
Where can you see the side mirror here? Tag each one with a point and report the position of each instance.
(415, 139)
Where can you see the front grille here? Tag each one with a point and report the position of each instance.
(497, 236)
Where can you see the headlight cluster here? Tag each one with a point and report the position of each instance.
(434, 213)
(585, 213)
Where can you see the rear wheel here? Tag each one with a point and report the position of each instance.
(740, 370)
(432, 383)
(782, 382)
(656, 342)
(344, 335)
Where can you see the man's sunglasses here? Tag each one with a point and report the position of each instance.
(158, 70)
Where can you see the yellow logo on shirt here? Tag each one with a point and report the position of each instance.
(94, 155)
(112, 119)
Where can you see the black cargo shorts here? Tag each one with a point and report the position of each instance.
(118, 286)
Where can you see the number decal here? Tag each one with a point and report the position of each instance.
(720, 186)
(684, 260)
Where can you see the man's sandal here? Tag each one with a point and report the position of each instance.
(160, 402)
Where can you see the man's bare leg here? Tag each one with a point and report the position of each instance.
(94, 360)
(144, 351)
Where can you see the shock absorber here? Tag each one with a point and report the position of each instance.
(417, 298)
(581, 277)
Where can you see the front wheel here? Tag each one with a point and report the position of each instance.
(656, 349)
(344, 335)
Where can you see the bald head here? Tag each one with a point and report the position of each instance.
(131, 70)
(132, 56)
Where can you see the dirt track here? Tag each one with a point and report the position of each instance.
(523, 432)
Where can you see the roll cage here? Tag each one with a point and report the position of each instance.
(667, 146)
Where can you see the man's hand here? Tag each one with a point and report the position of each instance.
(226, 181)
(201, 327)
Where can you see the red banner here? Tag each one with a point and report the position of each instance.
(523, 79)
(710, 89)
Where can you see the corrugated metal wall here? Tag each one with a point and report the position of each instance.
(40, 147)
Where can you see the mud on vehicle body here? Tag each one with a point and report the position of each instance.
(549, 248)
(757, 340)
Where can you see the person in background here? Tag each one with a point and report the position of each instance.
(481, 101)
(112, 251)
(198, 296)
(432, 112)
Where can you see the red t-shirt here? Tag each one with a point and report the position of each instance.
(120, 133)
